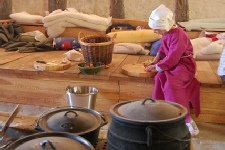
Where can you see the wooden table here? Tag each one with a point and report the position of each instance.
(21, 83)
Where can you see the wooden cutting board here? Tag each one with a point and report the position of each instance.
(56, 65)
(137, 70)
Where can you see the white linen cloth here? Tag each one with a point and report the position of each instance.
(201, 24)
(206, 49)
(58, 20)
(24, 17)
(129, 48)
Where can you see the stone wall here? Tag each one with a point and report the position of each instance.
(206, 9)
(133, 9)
(35, 7)
(98, 7)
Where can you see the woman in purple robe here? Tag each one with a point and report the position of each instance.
(175, 80)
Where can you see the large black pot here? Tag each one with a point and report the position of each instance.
(51, 141)
(148, 125)
(77, 120)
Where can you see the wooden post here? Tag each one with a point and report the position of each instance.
(56, 4)
(5, 9)
(181, 11)
(117, 9)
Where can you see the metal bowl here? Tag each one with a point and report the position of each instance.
(87, 68)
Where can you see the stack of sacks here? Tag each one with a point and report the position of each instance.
(205, 48)
(126, 42)
(58, 20)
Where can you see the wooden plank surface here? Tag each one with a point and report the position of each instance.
(33, 27)
(23, 63)
(128, 59)
(6, 57)
(137, 70)
(51, 93)
(21, 83)
(135, 90)
(206, 73)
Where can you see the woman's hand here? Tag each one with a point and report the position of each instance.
(149, 68)
(155, 60)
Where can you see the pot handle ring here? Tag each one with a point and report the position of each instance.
(153, 101)
(104, 120)
(148, 130)
(149, 135)
(70, 111)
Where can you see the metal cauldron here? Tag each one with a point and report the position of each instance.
(148, 125)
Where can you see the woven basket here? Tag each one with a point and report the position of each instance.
(96, 48)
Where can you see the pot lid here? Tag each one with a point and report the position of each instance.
(148, 110)
(70, 119)
(51, 141)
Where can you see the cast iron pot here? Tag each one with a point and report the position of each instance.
(148, 125)
(77, 120)
(51, 141)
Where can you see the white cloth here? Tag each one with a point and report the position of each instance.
(199, 24)
(39, 36)
(73, 55)
(205, 49)
(24, 17)
(129, 48)
(57, 21)
(161, 18)
(221, 37)
(213, 48)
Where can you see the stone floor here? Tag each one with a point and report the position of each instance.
(211, 136)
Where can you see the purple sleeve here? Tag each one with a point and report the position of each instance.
(177, 43)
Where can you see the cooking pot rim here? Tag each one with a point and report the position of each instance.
(27, 138)
(115, 115)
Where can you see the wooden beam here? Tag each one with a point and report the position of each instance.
(5, 9)
(117, 9)
(56, 4)
(181, 11)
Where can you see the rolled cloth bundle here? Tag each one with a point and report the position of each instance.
(161, 18)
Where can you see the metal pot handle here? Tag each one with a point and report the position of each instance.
(161, 132)
(70, 111)
(104, 120)
(46, 144)
(148, 130)
(153, 101)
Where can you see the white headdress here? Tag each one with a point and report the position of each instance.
(161, 18)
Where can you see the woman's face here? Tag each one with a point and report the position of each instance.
(159, 31)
